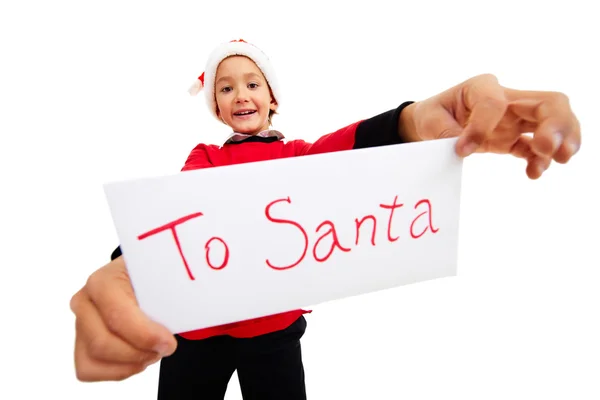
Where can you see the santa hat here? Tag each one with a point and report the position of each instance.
(206, 81)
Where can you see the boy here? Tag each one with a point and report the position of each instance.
(242, 91)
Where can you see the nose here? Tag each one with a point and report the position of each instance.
(242, 95)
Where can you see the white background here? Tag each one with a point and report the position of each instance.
(96, 92)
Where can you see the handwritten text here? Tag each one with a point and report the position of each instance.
(328, 238)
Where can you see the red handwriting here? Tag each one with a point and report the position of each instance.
(225, 258)
(359, 224)
(285, 221)
(430, 226)
(332, 234)
(329, 239)
(391, 208)
(171, 226)
(334, 241)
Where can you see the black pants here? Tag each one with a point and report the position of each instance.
(269, 367)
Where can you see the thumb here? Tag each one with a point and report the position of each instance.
(111, 292)
(438, 123)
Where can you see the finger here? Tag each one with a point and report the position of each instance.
(536, 165)
(438, 123)
(485, 100)
(110, 290)
(522, 148)
(557, 131)
(570, 145)
(101, 344)
(89, 370)
(441, 125)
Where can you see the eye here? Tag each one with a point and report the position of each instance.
(253, 85)
(226, 89)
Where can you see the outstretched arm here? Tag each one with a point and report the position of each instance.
(384, 129)
(485, 117)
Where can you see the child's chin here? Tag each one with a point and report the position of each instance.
(247, 129)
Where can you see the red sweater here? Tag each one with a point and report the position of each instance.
(377, 131)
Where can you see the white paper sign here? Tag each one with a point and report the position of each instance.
(220, 245)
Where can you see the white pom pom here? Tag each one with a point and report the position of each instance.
(195, 88)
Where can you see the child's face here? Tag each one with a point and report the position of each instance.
(243, 96)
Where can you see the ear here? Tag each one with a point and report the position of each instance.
(273, 106)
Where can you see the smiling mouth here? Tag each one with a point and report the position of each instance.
(244, 113)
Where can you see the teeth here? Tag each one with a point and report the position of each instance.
(244, 113)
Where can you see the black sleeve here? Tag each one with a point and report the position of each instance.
(116, 253)
(381, 130)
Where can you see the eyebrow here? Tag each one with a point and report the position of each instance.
(248, 75)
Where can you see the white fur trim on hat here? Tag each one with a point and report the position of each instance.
(206, 81)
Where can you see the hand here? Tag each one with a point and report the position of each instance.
(487, 117)
(114, 339)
